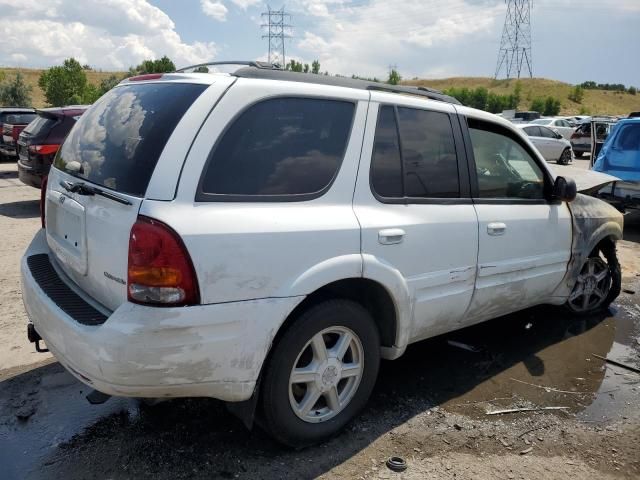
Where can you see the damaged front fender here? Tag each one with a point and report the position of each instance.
(593, 221)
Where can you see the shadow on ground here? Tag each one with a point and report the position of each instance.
(21, 209)
(65, 437)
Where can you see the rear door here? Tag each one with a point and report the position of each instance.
(412, 202)
(535, 136)
(524, 238)
(101, 176)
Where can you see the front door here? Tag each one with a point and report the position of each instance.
(524, 238)
(417, 221)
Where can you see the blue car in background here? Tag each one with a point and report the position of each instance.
(620, 157)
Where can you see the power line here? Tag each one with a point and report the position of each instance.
(278, 30)
(515, 46)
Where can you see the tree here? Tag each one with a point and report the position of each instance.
(537, 105)
(551, 106)
(163, 65)
(632, 90)
(394, 77)
(108, 83)
(577, 94)
(306, 68)
(64, 85)
(294, 66)
(315, 67)
(15, 92)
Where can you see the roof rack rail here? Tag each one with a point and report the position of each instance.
(286, 75)
(255, 64)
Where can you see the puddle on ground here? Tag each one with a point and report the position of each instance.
(540, 357)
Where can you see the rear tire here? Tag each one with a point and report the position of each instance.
(599, 282)
(565, 157)
(321, 373)
(578, 154)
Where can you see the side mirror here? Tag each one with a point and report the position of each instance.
(565, 189)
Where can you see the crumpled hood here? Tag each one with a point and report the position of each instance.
(586, 180)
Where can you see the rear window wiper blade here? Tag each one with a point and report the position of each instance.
(84, 189)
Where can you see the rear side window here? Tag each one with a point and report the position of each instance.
(532, 131)
(283, 147)
(418, 158)
(118, 141)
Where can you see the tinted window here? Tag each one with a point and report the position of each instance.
(117, 142)
(428, 153)
(386, 172)
(547, 133)
(532, 131)
(20, 118)
(504, 168)
(39, 125)
(282, 146)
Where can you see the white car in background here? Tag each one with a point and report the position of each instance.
(553, 146)
(559, 125)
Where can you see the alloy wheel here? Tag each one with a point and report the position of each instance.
(326, 374)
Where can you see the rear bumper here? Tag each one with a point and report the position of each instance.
(580, 147)
(208, 350)
(8, 150)
(29, 175)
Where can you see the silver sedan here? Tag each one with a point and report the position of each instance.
(553, 146)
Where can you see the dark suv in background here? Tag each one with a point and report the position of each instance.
(10, 131)
(39, 142)
(4, 113)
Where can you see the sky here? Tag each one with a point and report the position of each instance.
(573, 40)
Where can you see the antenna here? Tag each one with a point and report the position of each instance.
(515, 46)
(277, 28)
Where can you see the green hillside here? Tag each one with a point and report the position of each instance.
(595, 102)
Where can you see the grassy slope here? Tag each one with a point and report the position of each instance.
(32, 76)
(596, 101)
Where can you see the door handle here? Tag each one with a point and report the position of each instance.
(496, 228)
(391, 236)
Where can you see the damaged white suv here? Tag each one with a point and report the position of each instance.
(266, 237)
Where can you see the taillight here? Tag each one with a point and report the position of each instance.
(574, 135)
(43, 149)
(160, 271)
(43, 197)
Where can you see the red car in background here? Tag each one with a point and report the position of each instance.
(6, 112)
(11, 128)
(39, 142)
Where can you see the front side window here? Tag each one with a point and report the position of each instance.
(280, 147)
(414, 155)
(504, 169)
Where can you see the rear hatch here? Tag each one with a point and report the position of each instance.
(100, 178)
(36, 133)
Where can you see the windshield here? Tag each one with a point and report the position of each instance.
(118, 141)
(20, 118)
(625, 151)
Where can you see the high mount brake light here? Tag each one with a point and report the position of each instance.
(160, 271)
(147, 76)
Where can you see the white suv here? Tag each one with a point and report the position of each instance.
(265, 237)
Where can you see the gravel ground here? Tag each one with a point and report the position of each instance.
(429, 407)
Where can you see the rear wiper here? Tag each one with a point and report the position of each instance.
(84, 189)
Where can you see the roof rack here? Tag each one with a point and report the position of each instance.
(277, 74)
(262, 65)
(269, 71)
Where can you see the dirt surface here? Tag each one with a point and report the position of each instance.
(431, 407)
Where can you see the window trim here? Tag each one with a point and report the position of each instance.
(463, 197)
(205, 197)
(548, 180)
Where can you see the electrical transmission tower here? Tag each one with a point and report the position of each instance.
(515, 46)
(277, 30)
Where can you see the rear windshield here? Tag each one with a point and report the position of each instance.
(40, 124)
(20, 118)
(118, 141)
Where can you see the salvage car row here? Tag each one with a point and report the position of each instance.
(33, 137)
